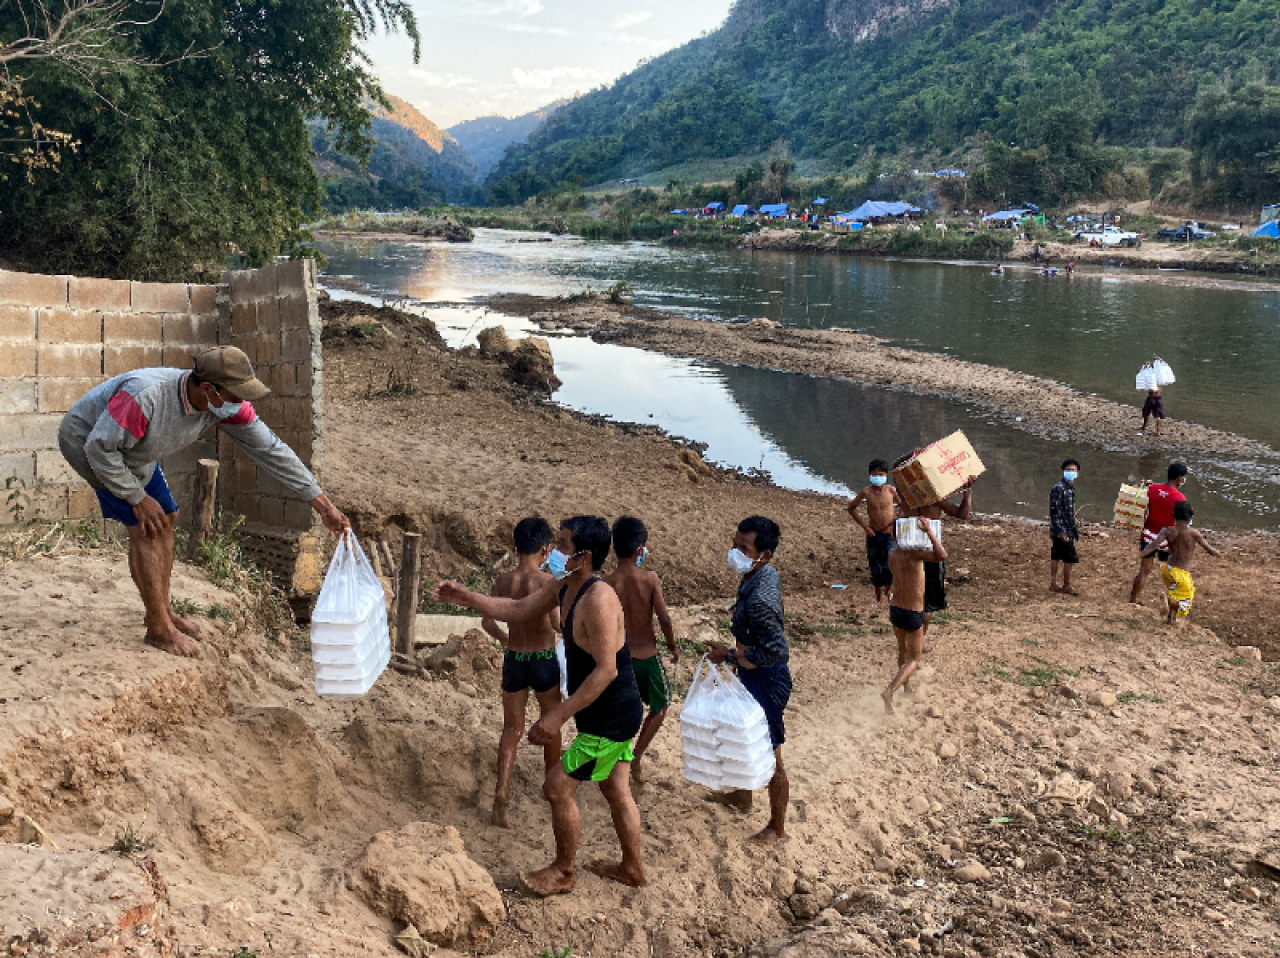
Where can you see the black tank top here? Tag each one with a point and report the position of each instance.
(618, 712)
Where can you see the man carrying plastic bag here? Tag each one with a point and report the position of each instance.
(760, 655)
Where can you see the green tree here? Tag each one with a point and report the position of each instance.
(1235, 141)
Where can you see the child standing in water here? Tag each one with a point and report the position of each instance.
(881, 497)
(640, 592)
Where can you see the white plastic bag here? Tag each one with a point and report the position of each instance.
(563, 662)
(1146, 379)
(1164, 374)
(724, 734)
(350, 641)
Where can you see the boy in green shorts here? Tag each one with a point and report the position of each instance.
(640, 592)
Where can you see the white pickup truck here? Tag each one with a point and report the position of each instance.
(1110, 236)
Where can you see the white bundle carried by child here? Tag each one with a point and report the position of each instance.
(909, 535)
(350, 642)
(1147, 379)
(724, 733)
(1164, 375)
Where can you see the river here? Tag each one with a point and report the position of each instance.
(1091, 332)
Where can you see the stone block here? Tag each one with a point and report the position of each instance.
(264, 282)
(17, 359)
(52, 468)
(246, 478)
(204, 298)
(284, 379)
(61, 325)
(59, 395)
(298, 515)
(17, 396)
(295, 314)
(131, 328)
(179, 357)
(21, 465)
(296, 414)
(249, 346)
(269, 485)
(82, 502)
(249, 506)
(306, 379)
(268, 347)
(29, 431)
(271, 510)
(123, 359)
(292, 278)
(101, 294)
(244, 319)
(240, 284)
(184, 329)
(18, 322)
(160, 298)
(268, 316)
(32, 289)
(47, 502)
(70, 362)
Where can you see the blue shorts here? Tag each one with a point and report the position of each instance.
(113, 507)
(771, 687)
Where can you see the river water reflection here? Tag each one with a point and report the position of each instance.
(819, 434)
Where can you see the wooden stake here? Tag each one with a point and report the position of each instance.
(202, 505)
(407, 593)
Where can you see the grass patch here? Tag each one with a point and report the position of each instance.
(223, 557)
(993, 667)
(129, 842)
(1110, 636)
(1234, 660)
(1113, 835)
(553, 952)
(1128, 698)
(187, 608)
(480, 580)
(690, 648)
(1133, 623)
(1045, 674)
(1031, 642)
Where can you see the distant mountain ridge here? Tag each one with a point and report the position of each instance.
(842, 80)
(486, 138)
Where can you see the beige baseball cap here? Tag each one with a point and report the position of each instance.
(229, 368)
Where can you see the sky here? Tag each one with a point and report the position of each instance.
(507, 57)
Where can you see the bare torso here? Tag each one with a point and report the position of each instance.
(636, 588)
(882, 504)
(527, 636)
(1182, 546)
(907, 566)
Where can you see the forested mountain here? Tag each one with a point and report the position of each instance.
(841, 80)
(486, 138)
(414, 163)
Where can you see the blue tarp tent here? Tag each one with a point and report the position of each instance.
(774, 210)
(713, 207)
(742, 209)
(678, 213)
(1268, 230)
(820, 201)
(1271, 212)
(1006, 215)
(949, 172)
(873, 210)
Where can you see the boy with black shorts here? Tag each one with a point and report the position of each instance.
(907, 615)
(881, 497)
(529, 660)
(1063, 530)
(640, 592)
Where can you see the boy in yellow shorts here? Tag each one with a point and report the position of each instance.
(1181, 541)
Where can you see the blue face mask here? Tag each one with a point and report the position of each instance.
(557, 562)
(879, 480)
(226, 410)
(1070, 475)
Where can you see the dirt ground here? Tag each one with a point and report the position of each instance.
(1069, 776)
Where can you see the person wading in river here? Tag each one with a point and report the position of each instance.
(115, 435)
(603, 701)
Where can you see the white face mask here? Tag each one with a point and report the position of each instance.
(1070, 475)
(227, 410)
(879, 480)
(740, 562)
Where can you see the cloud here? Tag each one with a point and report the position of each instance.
(446, 81)
(505, 8)
(545, 31)
(632, 19)
(545, 79)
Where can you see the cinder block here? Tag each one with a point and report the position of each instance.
(295, 345)
(101, 294)
(17, 359)
(82, 502)
(123, 359)
(62, 325)
(18, 322)
(29, 432)
(271, 510)
(185, 329)
(20, 465)
(244, 319)
(268, 347)
(306, 379)
(249, 346)
(295, 314)
(159, 298)
(249, 506)
(17, 396)
(46, 502)
(59, 395)
(204, 298)
(246, 478)
(70, 362)
(240, 284)
(132, 328)
(297, 414)
(179, 357)
(32, 289)
(269, 485)
(298, 515)
(52, 467)
(268, 316)
(291, 278)
(264, 282)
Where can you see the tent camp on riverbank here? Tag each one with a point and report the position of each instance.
(875, 211)
(1268, 230)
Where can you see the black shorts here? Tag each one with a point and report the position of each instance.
(1154, 406)
(935, 587)
(1162, 555)
(906, 619)
(1064, 552)
(539, 671)
(878, 558)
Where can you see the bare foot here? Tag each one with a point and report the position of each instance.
(614, 871)
(175, 643)
(637, 771)
(887, 696)
(734, 800)
(1068, 590)
(545, 882)
(185, 625)
(498, 817)
(768, 836)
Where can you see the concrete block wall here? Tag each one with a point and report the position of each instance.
(62, 335)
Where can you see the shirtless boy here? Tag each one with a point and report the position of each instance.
(881, 497)
(529, 660)
(603, 700)
(935, 590)
(1181, 541)
(640, 592)
(906, 615)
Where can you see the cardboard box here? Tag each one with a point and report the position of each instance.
(937, 471)
(1131, 507)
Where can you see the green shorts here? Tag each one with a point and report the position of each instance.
(591, 758)
(651, 677)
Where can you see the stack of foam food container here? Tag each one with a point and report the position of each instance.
(1164, 374)
(724, 734)
(1147, 380)
(350, 642)
(909, 535)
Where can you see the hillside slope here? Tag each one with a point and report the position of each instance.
(486, 138)
(840, 77)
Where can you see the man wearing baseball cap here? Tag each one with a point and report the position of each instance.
(115, 435)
